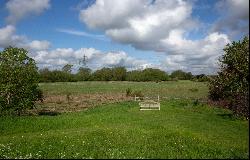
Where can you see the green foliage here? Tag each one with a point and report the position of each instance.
(232, 82)
(134, 75)
(67, 68)
(137, 93)
(56, 76)
(104, 74)
(200, 78)
(128, 92)
(83, 74)
(181, 75)
(18, 81)
(119, 73)
(148, 74)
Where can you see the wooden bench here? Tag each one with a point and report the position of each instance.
(149, 105)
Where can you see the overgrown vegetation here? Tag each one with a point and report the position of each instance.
(18, 81)
(232, 83)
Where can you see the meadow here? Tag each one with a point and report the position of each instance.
(107, 124)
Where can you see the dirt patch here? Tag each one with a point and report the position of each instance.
(74, 103)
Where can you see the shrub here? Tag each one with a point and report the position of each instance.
(18, 81)
(232, 82)
(128, 92)
(138, 94)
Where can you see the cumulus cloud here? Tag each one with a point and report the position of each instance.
(160, 26)
(56, 59)
(8, 38)
(137, 22)
(199, 56)
(234, 17)
(18, 9)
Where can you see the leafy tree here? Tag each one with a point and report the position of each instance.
(104, 74)
(134, 75)
(45, 75)
(200, 78)
(67, 68)
(150, 74)
(119, 73)
(18, 81)
(181, 75)
(232, 82)
(83, 74)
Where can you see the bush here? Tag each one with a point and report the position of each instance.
(232, 82)
(128, 92)
(18, 81)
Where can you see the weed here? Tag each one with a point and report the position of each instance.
(128, 92)
(68, 97)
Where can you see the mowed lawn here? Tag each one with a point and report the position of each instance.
(182, 128)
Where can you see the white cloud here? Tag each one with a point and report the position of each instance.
(159, 26)
(38, 45)
(138, 22)
(18, 9)
(187, 54)
(8, 38)
(56, 59)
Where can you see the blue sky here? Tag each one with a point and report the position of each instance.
(166, 35)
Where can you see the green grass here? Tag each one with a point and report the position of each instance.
(182, 89)
(181, 129)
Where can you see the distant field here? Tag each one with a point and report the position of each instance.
(77, 96)
(114, 127)
(184, 89)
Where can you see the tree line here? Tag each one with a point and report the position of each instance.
(114, 74)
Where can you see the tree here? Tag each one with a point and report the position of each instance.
(119, 73)
(232, 82)
(67, 68)
(150, 74)
(18, 81)
(134, 75)
(181, 75)
(45, 75)
(83, 74)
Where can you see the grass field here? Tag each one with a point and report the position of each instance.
(181, 89)
(183, 128)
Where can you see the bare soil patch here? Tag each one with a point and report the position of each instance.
(75, 103)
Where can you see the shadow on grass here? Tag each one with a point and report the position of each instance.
(48, 113)
(228, 116)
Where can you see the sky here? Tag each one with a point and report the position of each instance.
(166, 34)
